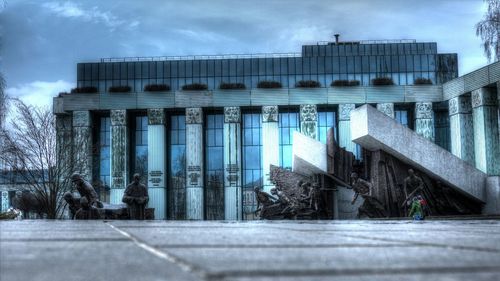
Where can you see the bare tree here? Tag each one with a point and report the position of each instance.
(489, 30)
(3, 101)
(30, 150)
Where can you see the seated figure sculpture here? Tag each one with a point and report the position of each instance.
(87, 211)
(136, 197)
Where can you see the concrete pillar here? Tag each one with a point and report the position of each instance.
(64, 145)
(119, 155)
(492, 206)
(424, 120)
(270, 142)
(82, 142)
(157, 171)
(461, 131)
(232, 164)
(386, 108)
(486, 138)
(194, 164)
(5, 201)
(309, 120)
(345, 127)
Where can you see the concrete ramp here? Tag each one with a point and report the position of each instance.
(373, 130)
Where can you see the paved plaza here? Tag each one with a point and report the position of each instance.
(256, 250)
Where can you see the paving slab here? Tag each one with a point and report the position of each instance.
(251, 250)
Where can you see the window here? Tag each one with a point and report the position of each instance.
(214, 167)
(140, 153)
(104, 159)
(442, 129)
(288, 122)
(401, 116)
(326, 120)
(177, 167)
(252, 161)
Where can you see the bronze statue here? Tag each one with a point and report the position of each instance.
(136, 197)
(371, 206)
(73, 204)
(86, 190)
(413, 186)
(264, 199)
(87, 211)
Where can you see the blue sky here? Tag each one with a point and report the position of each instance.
(43, 40)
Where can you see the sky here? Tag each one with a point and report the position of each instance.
(42, 41)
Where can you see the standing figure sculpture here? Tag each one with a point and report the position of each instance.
(87, 211)
(136, 197)
(371, 206)
(413, 187)
(86, 190)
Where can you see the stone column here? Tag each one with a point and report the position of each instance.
(424, 120)
(232, 164)
(119, 155)
(194, 164)
(461, 131)
(345, 127)
(82, 144)
(386, 108)
(309, 120)
(486, 138)
(64, 145)
(270, 142)
(5, 201)
(157, 162)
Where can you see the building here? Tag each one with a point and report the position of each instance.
(203, 151)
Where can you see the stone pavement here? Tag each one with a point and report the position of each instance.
(257, 250)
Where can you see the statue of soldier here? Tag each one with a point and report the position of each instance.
(265, 199)
(86, 190)
(136, 197)
(413, 186)
(87, 211)
(371, 206)
(73, 204)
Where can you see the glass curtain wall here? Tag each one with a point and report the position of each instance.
(103, 183)
(214, 167)
(402, 117)
(326, 120)
(252, 157)
(177, 167)
(288, 122)
(140, 148)
(442, 129)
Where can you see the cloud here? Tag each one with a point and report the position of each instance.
(39, 93)
(70, 9)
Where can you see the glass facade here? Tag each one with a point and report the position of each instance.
(402, 117)
(140, 148)
(251, 161)
(214, 167)
(104, 159)
(442, 129)
(288, 122)
(326, 120)
(177, 168)
(403, 62)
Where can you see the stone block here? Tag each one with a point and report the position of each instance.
(375, 131)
